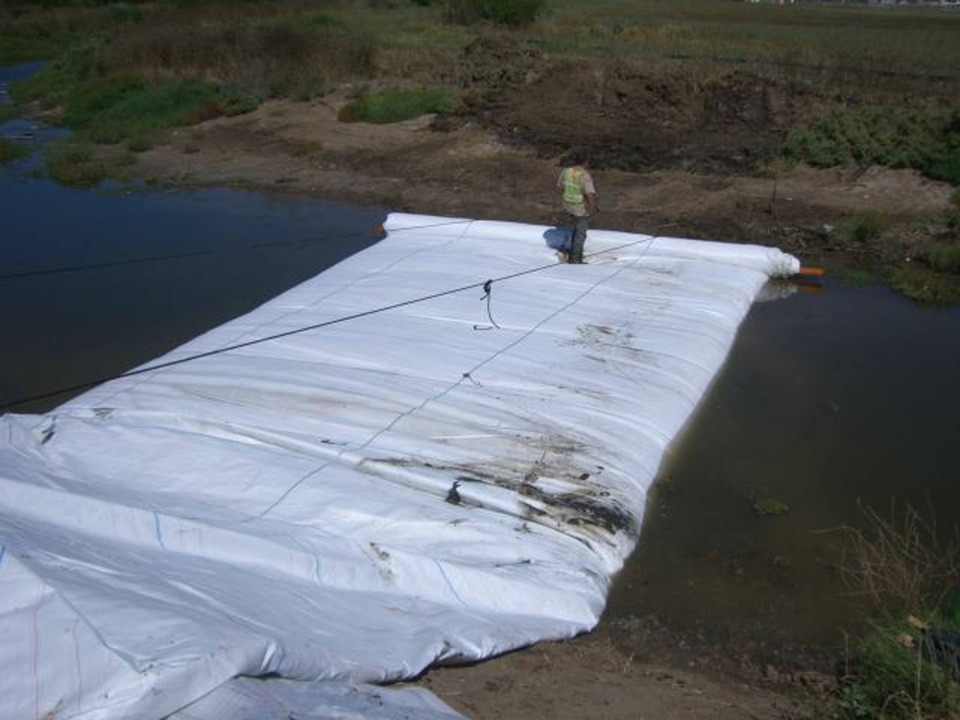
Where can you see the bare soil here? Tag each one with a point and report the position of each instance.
(671, 156)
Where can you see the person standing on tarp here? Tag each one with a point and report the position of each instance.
(579, 201)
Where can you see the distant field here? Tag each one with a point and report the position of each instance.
(910, 49)
(839, 41)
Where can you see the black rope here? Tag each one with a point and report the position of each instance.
(486, 296)
(486, 285)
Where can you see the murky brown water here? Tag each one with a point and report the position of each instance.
(828, 401)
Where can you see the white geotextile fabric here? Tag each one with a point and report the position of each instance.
(441, 481)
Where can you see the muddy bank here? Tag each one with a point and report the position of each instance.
(673, 153)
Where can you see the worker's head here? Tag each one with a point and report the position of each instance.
(577, 157)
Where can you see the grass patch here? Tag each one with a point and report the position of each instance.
(10, 151)
(126, 106)
(902, 672)
(905, 665)
(396, 105)
(7, 112)
(925, 139)
(941, 256)
(866, 228)
(73, 162)
(115, 109)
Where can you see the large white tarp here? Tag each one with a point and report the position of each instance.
(433, 473)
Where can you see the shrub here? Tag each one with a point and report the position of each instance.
(143, 109)
(925, 139)
(237, 102)
(396, 105)
(867, 227)
(941, 256)
(901, 562)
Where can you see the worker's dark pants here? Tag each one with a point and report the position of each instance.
(580, 225)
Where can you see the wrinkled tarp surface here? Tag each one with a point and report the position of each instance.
(436, 472)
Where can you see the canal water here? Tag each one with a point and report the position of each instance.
(830, 403)
(831, 400)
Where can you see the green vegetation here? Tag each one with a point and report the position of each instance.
(126, 70)
(926, 139)
(397, 104)
(867, 227)
(74, 162)
(10, 150)
(941, 256)
(925, 284)
(897, 677)
(764, 507)
(905, 665)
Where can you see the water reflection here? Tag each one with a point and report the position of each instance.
(95, 282)
(827, 400)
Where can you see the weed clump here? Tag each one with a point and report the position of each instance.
(903, 670)
(866, 228)
(924, 139)
(906, 665)
(73, 162)
(396, 105)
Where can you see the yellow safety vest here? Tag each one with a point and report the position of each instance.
(572, 192)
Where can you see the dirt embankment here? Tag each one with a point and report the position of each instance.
(671, 156)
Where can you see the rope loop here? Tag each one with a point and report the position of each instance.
(487, 295)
